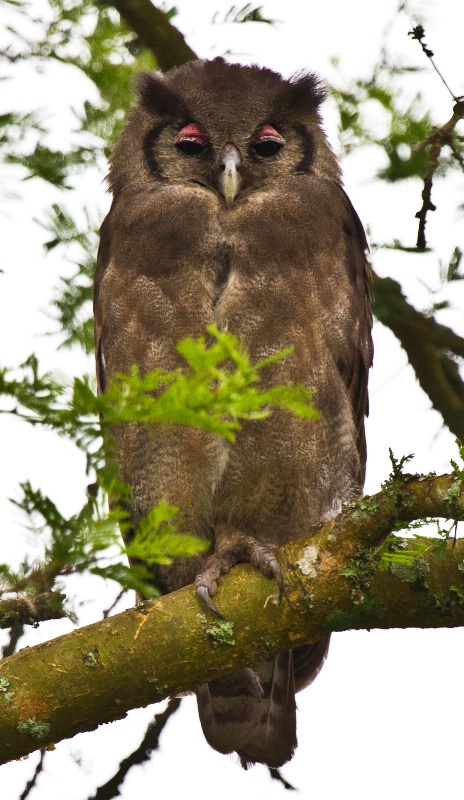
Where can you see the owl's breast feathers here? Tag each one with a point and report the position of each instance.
(283, 266)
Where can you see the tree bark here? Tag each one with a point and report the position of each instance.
(153, 28)
(332, 582)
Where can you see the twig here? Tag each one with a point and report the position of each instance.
(418, 33)
(438, 140)
(32, 782)
(142, 753)
(108, 611)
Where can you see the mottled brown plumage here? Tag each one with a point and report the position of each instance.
(228, 208)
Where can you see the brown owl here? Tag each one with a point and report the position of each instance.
(228, 208)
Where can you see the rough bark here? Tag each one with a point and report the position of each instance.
(156, 32)
(332, 582)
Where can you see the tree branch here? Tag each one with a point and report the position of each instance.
(437, 141)
(32, 783)
(332, 582)
(428, 346)
(156, 32)
(31, 609)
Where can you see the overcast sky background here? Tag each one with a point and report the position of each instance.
(384, 718)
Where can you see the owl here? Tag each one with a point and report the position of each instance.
(228, 208)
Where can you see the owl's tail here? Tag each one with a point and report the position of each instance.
(253, 712)
(274, 738)
(229, 709)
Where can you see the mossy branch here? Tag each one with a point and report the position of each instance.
(31, 609)
(332, 582)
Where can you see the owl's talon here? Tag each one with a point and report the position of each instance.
(276, 573)
(205, 597)
(234, 547)
(268, 564)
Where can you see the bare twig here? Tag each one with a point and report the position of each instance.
(418, 33)
(437, 141)
(32, 782)
(142, 753)
(108, 611)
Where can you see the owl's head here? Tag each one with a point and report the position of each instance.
(229, 128)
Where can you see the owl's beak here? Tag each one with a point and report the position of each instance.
(230, 165)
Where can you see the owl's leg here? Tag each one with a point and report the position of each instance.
(234, 547)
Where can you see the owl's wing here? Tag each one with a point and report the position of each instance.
(102, 264)
(353, 369)
(354, 372)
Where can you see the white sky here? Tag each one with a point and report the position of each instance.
(384, 718)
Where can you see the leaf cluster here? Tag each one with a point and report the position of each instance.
(406, 123)
(217, 390)
(248, 13)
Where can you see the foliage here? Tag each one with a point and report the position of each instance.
(217, 390)
(247, 13)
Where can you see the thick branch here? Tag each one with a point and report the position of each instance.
(428, 346)
(332, 582)
(156, 32)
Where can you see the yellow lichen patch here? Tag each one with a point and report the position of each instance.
(308, 561)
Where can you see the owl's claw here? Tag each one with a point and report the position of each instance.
(234, 547)
(204, 595)
(206, 582)
(270, 567)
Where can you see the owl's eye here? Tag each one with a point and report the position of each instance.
(267, 142)
(191, 140)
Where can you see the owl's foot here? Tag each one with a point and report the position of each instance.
(233, 547)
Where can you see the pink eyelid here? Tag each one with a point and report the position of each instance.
(268, 132)
(192, 131)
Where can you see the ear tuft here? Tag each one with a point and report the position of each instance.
(301, 95)
(156, 96)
